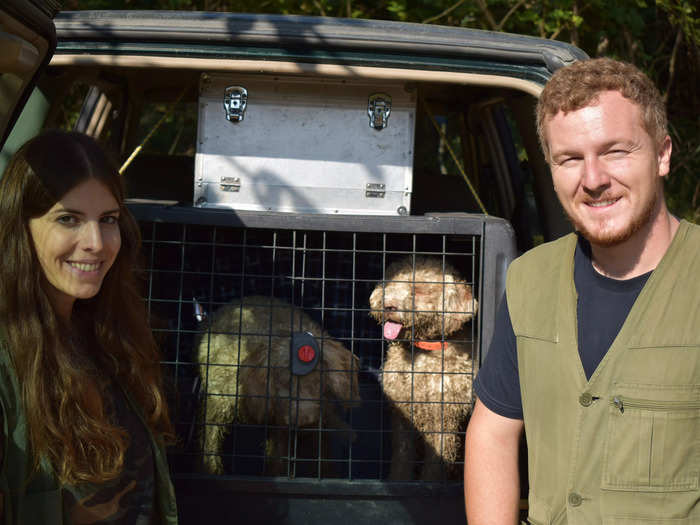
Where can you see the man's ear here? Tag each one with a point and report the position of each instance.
(664, 156)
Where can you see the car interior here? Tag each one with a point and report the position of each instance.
(479, 194)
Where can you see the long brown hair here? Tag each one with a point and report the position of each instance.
(59, 367)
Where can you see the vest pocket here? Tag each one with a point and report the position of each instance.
(652, 440)
(539, 513)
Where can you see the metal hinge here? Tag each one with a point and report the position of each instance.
(235, 102)
(375, 190)
(230, 184)
(379, 109)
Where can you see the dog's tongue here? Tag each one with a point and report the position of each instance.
(392, 329)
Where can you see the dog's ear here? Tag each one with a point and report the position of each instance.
(465, 299)
(376, 302)
(460, 306)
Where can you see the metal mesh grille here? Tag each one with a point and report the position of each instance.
(311, 279)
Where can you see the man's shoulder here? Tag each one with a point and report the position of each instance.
(693, 231)
(686, 244)
(547, 253)
(533, 275)
(534, 279)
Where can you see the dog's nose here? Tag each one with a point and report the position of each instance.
(390, 308)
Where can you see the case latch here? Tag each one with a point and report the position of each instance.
(235, 102)
(379, 109)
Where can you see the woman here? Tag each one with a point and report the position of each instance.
(80, 385)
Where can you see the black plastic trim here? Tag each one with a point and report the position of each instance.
(434, 223)
(36, 15)
(318, 32)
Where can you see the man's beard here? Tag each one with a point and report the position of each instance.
(604, 237)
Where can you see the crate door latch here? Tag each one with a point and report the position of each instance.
(235, 102)
(304, 353)
(379, 109)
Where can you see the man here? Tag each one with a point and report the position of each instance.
(596, 353)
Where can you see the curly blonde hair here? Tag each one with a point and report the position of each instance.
(579, 85)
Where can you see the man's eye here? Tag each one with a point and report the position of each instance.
(569, 160)
(616, 153)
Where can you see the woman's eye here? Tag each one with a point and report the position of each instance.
(110, 219)
(67, 220)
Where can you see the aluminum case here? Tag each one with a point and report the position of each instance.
(305, 146)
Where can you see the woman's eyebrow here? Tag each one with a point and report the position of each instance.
(67, 210)
(79, 212)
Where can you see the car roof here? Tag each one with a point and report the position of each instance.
(306, 35)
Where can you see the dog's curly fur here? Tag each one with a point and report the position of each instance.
(244, 362)
(430, 390)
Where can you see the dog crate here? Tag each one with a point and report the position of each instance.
(318, 272)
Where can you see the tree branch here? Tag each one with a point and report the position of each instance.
(487, 13)
(574, 29)
(554, 35)
(540, 24)
(672, 63)
(320, 7)
(512, 10)
(444, 13)
(662, 45)
(632, 44)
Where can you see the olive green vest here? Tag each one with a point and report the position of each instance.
(624, 447)
(39, 501)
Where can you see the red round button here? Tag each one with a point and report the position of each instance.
(306, 353)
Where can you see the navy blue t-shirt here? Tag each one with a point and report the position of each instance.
(602, 307)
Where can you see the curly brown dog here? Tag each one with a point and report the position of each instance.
(427, 373)
(244, 362)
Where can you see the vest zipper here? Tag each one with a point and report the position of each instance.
(621, 403)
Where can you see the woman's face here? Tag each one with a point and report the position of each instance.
(76, 242)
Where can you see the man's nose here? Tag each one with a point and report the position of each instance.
(595, 175)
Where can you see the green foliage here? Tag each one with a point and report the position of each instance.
(682, 188)
(662, 37)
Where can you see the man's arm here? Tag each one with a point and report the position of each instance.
(491, 478)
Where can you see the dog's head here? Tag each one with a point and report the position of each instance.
(425, 298)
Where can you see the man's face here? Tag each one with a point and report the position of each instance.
(607, 170)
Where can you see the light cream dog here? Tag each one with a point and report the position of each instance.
(427, 374)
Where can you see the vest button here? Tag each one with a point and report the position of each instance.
(585, 399)
(575, 499)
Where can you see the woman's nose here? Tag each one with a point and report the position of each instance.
(91, 237)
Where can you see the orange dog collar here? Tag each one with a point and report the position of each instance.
(425, 345)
